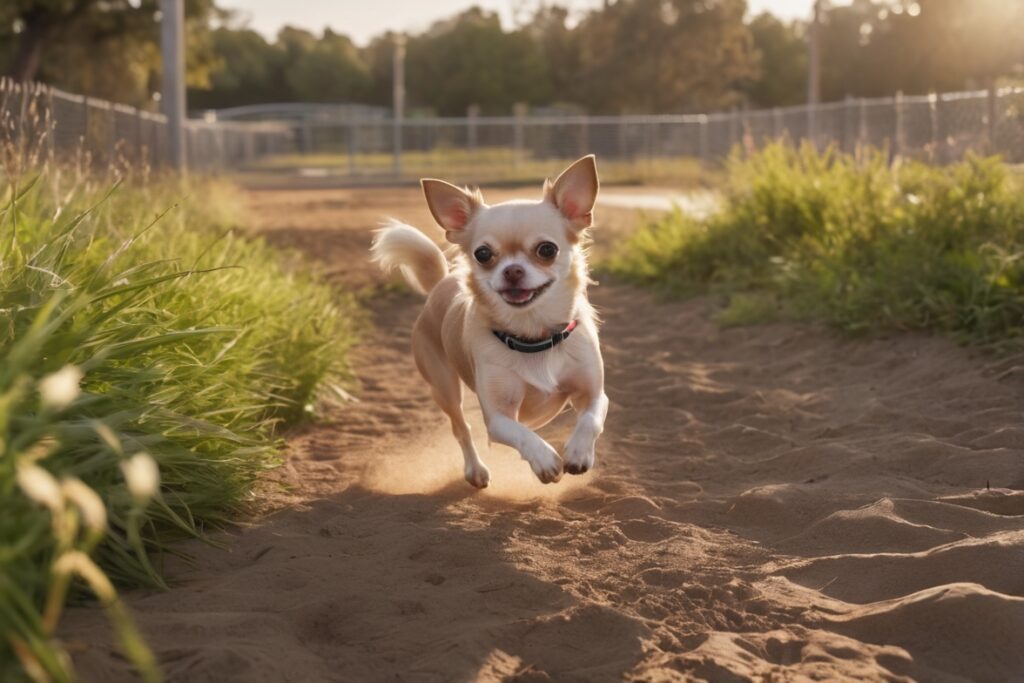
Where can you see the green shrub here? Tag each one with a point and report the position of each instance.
(853, 241)
(194, 344)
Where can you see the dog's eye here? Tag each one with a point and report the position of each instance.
(547, 250)
(483, 254)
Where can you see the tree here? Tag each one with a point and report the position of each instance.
(379, 59)
(782, 52)
(561, 48)
(654, 56)
(247, 70)
(876, 47)
(330, 70)
(470, 59)
(107, 48)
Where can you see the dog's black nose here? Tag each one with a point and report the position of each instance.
(513, 274)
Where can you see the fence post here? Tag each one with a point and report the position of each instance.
(51, 126)
(746, 139)
(734, 120)
(307, 134)
(897, 143)
(85, 124)
(112, 131)
(703, 140)
(992, 117)
(849, 134)
(941, 135)
(353, 132)
(623, 139)
(398, 100)
(472, 114)
(933, 120)
(776, 123)
(519, 111)
(862, 122)
(812, 123)
(138, 135)
(220, 132)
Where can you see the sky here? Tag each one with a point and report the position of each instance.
(363, 19)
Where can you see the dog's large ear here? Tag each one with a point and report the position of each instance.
(452, 207)
(574, 192)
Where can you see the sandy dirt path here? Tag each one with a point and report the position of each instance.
(770, 502)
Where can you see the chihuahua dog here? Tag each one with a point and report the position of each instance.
(511, 320)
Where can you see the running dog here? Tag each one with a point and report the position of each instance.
(511, 319)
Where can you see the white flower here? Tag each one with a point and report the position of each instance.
(61, 388)
(94, 513)
(40, 486)
(77, 562)
(142, 476)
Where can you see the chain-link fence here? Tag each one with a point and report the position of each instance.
(355, 142)
(38, 122)
(935, 128)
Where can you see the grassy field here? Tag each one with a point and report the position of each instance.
(150, 356)
(855, 242)
(485, 165)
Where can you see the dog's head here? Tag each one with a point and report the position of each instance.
(526, 264)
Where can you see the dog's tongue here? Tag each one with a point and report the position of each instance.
(518, 295)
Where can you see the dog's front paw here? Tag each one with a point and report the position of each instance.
(478, 475)
(544, 462)
(579, 455)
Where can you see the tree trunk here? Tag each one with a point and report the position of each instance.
(29, 51)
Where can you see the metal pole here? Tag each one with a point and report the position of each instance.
(849, 135)
(814, 72)
(398, 100)
(703, 140)
(472, 114)
(898, 142)
(933, 120)
(172, 49)
(992, 117)
(941, 136)
(519, 110)
(862, 122)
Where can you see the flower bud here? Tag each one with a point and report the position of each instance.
(60, 389)
(142, 476)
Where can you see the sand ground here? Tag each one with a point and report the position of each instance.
(770, 502)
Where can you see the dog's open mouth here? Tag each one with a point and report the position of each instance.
(521, 297)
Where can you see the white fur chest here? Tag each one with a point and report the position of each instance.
(541, 370)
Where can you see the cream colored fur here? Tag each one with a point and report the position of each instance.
(453, 340)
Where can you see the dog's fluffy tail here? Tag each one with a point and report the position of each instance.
(402, 246)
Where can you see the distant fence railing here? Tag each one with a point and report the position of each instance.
(357, 142)
(40, 121)
(937, 128)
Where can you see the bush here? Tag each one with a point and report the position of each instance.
(193, 343)
(853, 241)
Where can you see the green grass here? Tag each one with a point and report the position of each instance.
(196, 345)
(855, 242)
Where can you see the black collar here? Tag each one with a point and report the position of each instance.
(527, 346)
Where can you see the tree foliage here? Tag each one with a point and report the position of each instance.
(471, 60)
(646, 56)
(664, 55)
(782, 50)
(105, 48)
